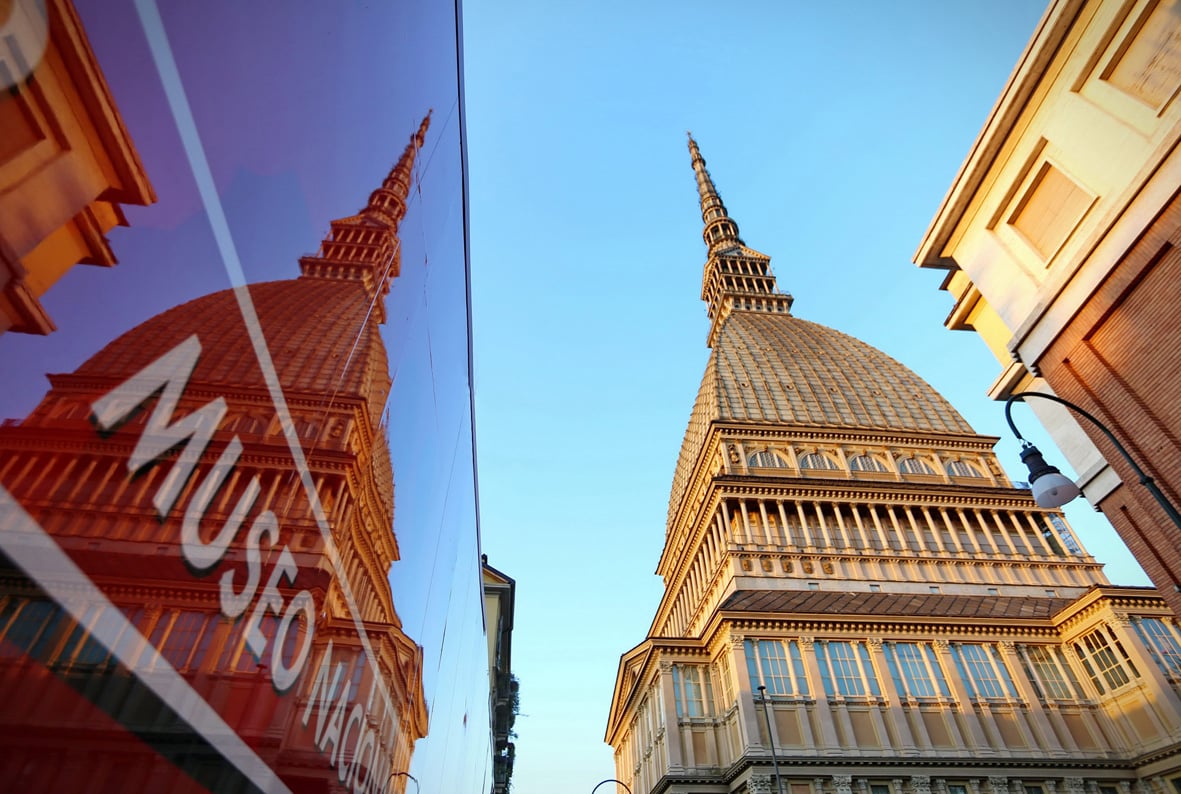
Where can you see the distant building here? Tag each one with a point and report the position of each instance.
(240, 594)
(1059, 237)
(856, 599)
(67, 164)
(500, 592)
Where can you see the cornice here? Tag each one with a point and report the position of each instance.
(885, 436)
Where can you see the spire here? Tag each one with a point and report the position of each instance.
(736, 278)
(365, 247)
(387, 204)
(720, 230)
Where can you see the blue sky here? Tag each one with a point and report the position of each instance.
(832, 132)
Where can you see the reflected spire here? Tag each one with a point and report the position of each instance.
(387, 204)
(365, 247)
(720, 230)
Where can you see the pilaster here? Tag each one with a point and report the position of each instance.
(672, 733)
(828, 732)
(975, 738)
(1043, 736)
(748, 718)
(894, 702)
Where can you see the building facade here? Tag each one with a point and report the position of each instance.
(1058, 238)
(500, 594)
(260, 623)
(67, 164)
(858, 600)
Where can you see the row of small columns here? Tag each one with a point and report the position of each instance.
(690, 599)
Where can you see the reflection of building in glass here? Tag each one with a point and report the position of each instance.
(164, 470)
(1060, 240)
(839, 535)
(500, 592)
(66, 161)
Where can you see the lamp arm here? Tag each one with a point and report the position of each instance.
(1145, 480)
(1023, 396)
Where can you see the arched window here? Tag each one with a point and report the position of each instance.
(815, 460)
(765, 459)
(866, 463)
(914, 466)
(959, 468)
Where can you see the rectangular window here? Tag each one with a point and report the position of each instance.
(845, 673)
(983, 671)
(845, 669)
(956, 788)
(726, 687)
(768, 665)
(1161, 639)
(1046, 672)
(916, 679)
(691, 685)
(1102, 659)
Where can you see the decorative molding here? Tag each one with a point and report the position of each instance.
(759, 784)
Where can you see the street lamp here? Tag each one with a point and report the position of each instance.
(770, 740)
(1050, 488)
(407, 774)
(612, 780)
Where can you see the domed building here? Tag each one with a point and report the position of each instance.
(211, 609)
(857, 599)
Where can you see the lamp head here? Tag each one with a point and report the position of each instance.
(1050, 487)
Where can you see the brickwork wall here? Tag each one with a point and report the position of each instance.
(1120, 359)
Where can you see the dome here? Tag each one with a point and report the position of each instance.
(784, 370)
(779, 370)
(320, 333)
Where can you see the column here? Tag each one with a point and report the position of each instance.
(968, 529)
(1036, 530)
(988, 533)
(1044, 736)
(672, 732)
(783, 522)
(866, 538)
(918, 532)
(767, 539)
(906, 743)
(1145, 662)
(828, 741)
(748, 718)
(975, 738)
(824, 533)
(805, 532)
(877, 523)
(951, 530)
(748, 535)
(935, 533)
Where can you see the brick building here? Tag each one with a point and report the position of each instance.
(1059, 240)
